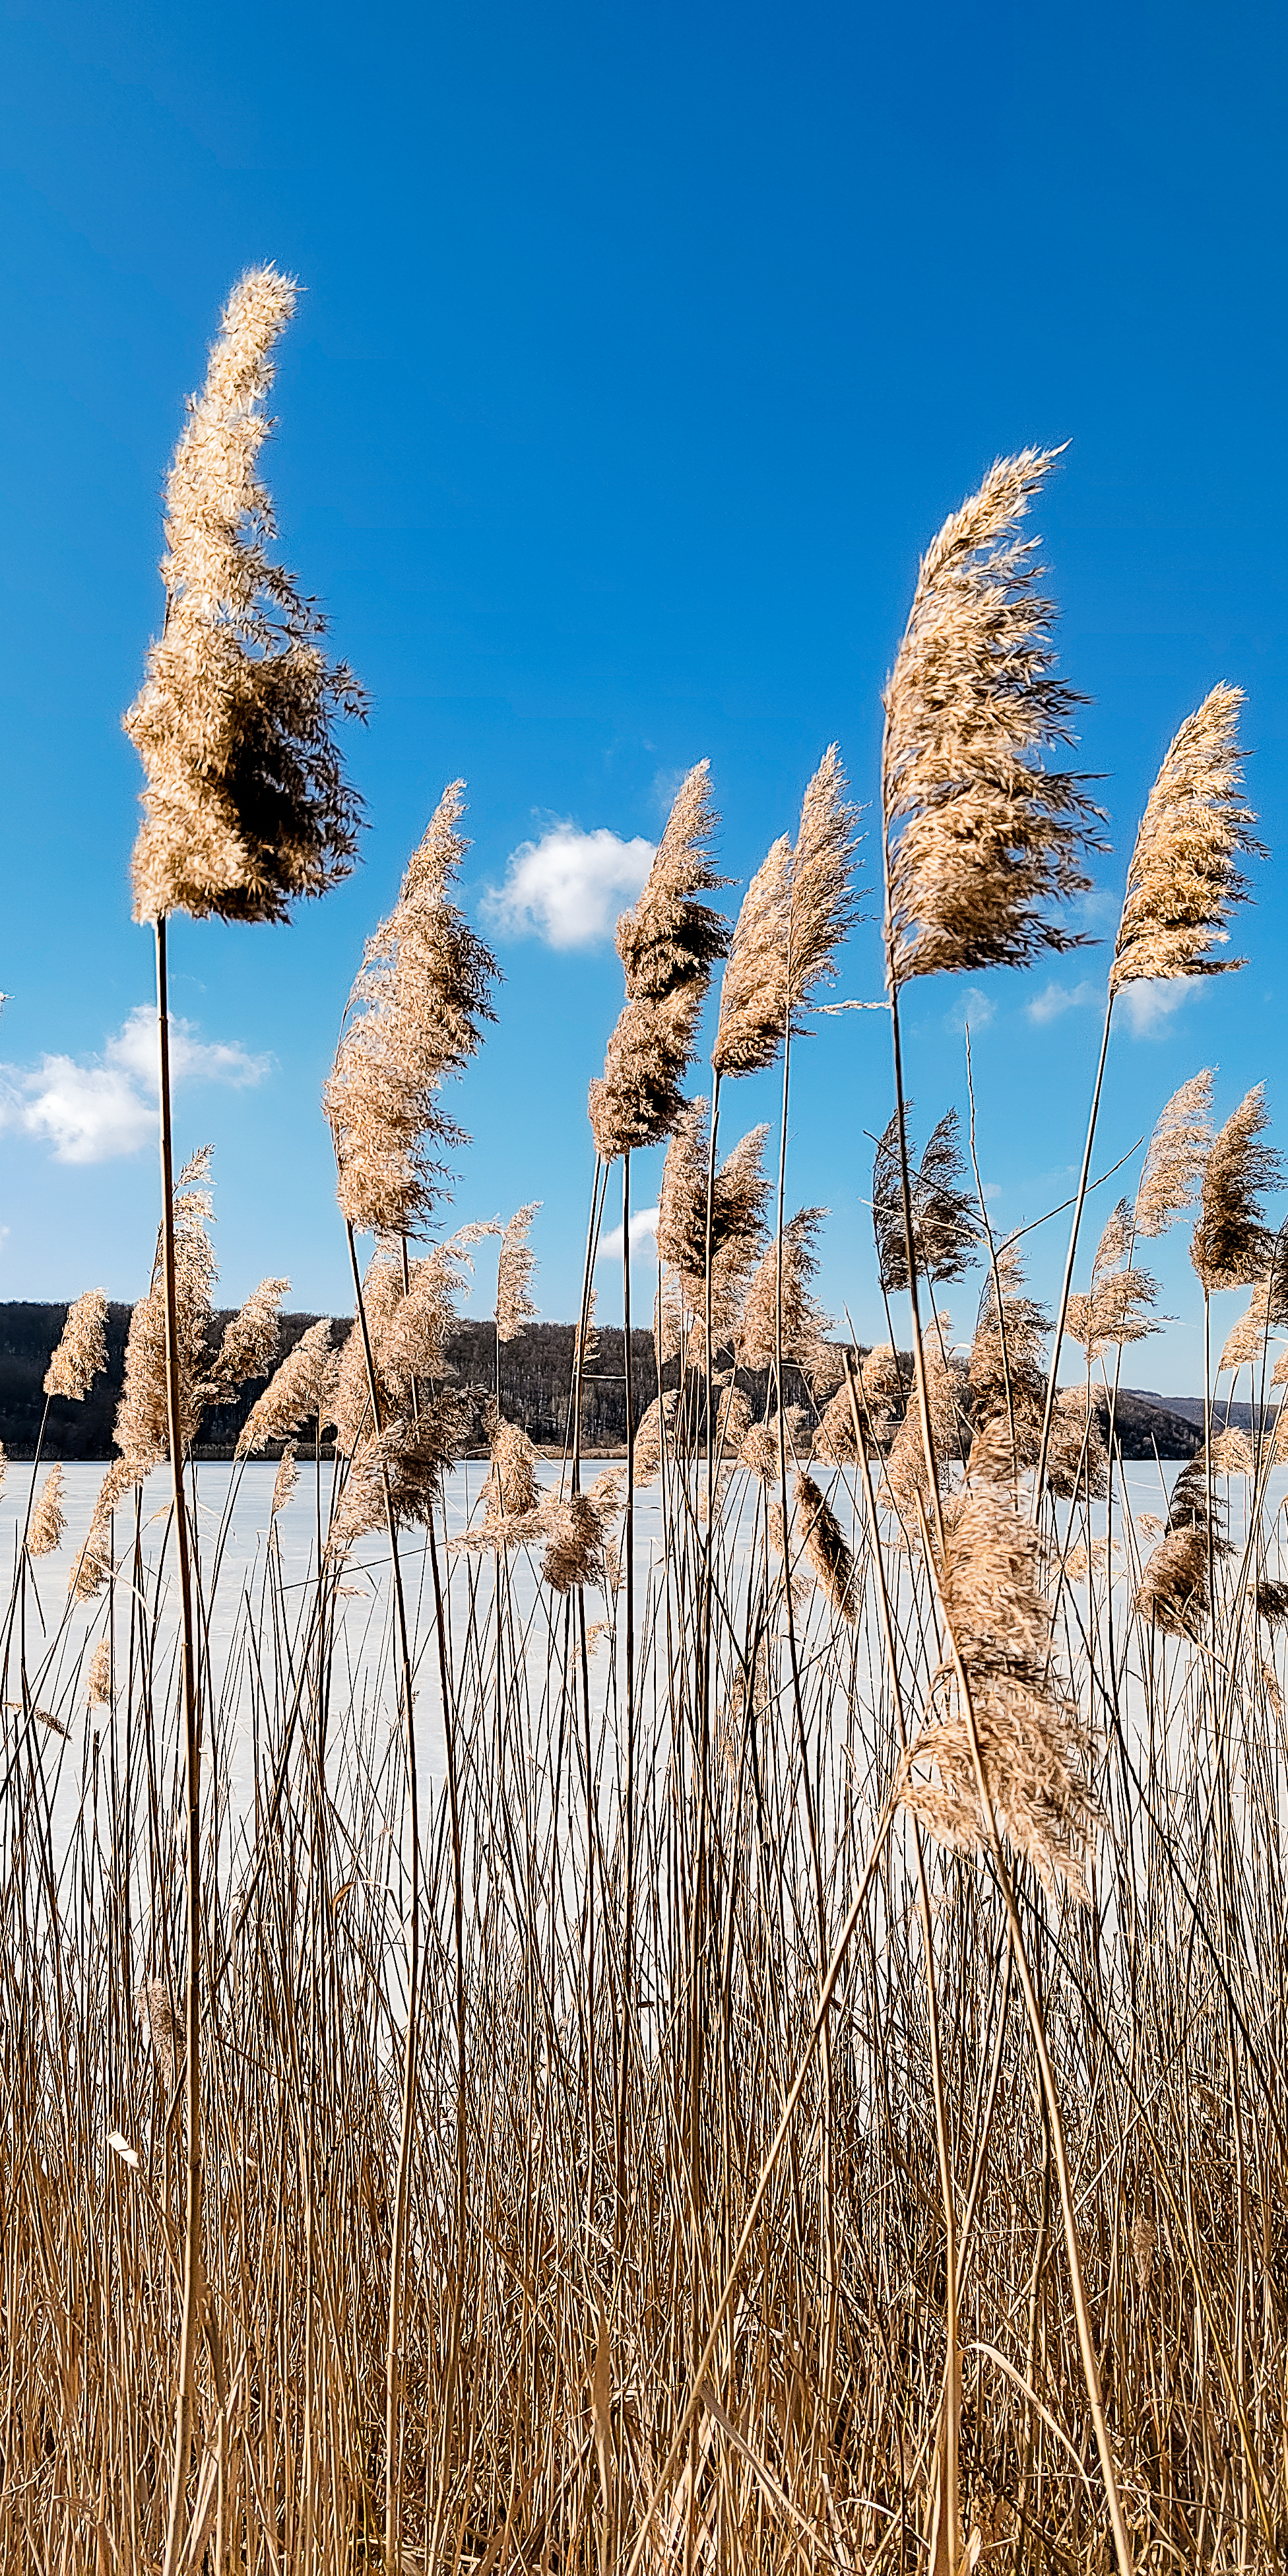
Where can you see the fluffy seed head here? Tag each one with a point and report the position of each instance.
(805, 1327)
(413, 1018)
(667, 945)
(1033, 1747)
(795, 914)
(981, 838)
(514, 1269)
(98, 1681)
(1178, 1150)
(245, 802)
(82, 1351)
(299, 1391)
(1231, 1244)
(824, 1547)
(1183, 882)
(48, 1520)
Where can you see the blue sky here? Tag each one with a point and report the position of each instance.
(641, 353)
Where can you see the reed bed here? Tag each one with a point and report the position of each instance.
(724, 2014)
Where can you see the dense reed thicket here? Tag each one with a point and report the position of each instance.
(725, 2014)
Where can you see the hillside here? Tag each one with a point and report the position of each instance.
(535, 1379)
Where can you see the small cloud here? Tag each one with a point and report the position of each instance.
(96, 1110)
(568, 887)
(1149, 1006)
(1056, 999)
(643, 1230)
(972, 1010)
(666, 787)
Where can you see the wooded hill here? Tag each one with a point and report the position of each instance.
(535, 1387)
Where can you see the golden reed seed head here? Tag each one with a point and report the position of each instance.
(1232, 1246)
(906, 1472)
(667, 943)
(982, 837)
(738, 1192)
(804, 1326)
(285, 1480)
(142, 1430)
(164, 2029)
(92, 1567)
(578, 1551)
(1178, 1151)
(1116, 1309)
(646, 1451)
(98, 1682)
(1183, 882)
(796, 912)
(250, 1343)
(514, 1269)
(82, 1351)
(300, 1391)
(48, 1520)
(824, 1546)
(510, 1490)
(413, 1019)
(245, 803)
(1264, 1311)
(1033, 1747)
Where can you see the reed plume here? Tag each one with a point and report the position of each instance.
(906, 1472)
(1006, 1377)
(980, 837)
(1178, 1151)
(738, 1193)
(1175, 1587)
(578, 1549)
(1033, 1747)
(82, 1351)
(798, 908)
(514, 1269)
(825, 1550)
(164, 2029)
(413, 1018)
(805, 1327)
(92, 1566)
(48, 1520)
(300, 1390)
(1232, 1246)
(250, 1342)
(759, 1450)
(650, 1440)
(1077, 1458)
(668, 944)
(1116, 1308)
(245, 802)
(142, 1431)
(511, 1490)
(285, 1480)
(1265, 1312)
(1183, 882)
(945, 1227)
(98, 1680)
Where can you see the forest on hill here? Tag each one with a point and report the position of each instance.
(535, 1382)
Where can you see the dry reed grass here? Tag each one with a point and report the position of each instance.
(796, 2080)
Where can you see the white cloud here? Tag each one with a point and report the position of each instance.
(1150, 1006)
(95, 1110)
(973, 1010)
(1055, 999)
(569, 886)
(643, 1230)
